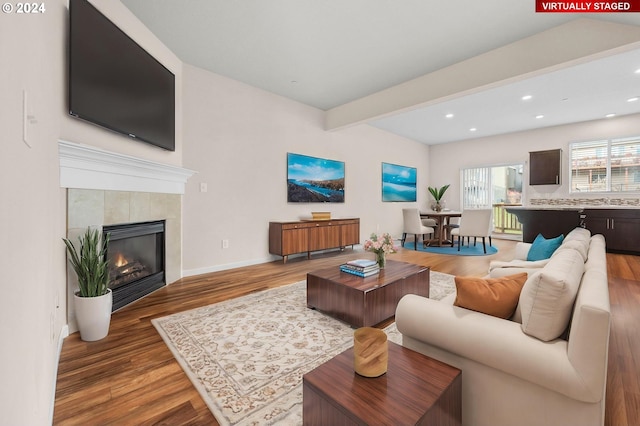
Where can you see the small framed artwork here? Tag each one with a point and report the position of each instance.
(399, 183)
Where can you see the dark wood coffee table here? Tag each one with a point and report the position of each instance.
(363, 302)
(415, 390)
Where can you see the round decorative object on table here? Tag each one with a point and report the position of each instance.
(370, 351)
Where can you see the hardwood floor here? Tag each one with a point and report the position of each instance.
(131, 377)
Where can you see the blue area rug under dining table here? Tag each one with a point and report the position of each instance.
(465, 250)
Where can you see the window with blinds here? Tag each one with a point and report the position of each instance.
(605, 166)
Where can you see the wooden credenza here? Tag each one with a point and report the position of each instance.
(305, 236)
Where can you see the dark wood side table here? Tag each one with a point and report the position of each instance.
(415, 390)
(366, 301)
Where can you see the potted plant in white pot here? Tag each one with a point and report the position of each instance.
(93, 300)
(437, 194)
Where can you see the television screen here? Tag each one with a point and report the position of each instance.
(115, 83)
(311, 179)
(398, 183)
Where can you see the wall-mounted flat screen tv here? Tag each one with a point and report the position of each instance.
(115, 83)
(314, 180)
(398, 183)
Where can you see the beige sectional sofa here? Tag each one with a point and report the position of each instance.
(547, 364)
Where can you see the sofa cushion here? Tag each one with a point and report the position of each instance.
(578, 246)
(580, 234)
(547, 298)
(543, 248)
(493, 296)
(578, 239)
(498, 268)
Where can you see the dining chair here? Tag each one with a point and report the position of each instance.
(413, 225)
(454, 222)
(474, 223)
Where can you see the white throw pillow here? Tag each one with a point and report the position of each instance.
(547, 298)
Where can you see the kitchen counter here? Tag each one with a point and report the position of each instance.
(620, 225)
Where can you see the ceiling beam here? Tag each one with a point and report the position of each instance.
(566, 45)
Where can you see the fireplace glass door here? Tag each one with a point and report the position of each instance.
(136, 260)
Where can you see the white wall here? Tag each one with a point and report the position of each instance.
(33, 214)
(237, 137)
(448, 159)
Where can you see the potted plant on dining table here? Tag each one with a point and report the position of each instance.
(437, 194)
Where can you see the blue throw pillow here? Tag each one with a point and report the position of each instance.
(542, 248)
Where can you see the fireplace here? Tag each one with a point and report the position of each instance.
(136, 256)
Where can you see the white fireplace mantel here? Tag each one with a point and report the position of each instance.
(87, 167)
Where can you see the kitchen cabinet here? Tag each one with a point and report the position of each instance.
(545, 167)
(549, 222)
(620, 227)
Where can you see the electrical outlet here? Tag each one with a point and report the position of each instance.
(225, 244)
(203, 187)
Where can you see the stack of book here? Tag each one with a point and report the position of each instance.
(361, 267)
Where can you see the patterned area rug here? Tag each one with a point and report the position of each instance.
(247, 356)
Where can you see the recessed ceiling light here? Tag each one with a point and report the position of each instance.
(635, 98)
(527, 97)
(539, 116)
(638, 71)
(473, 129)
(449, 115)
(610, 115)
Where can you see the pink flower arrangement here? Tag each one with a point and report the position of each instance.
(382, 243)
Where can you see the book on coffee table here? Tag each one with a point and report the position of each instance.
(362, 263)
(361, 267)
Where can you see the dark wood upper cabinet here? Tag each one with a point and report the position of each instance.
(545, 167)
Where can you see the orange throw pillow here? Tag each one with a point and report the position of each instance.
(493, 296)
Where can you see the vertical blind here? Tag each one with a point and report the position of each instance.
(476, 188)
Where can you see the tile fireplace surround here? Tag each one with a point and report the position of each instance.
(105, 188)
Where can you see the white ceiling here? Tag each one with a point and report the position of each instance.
(326, 53)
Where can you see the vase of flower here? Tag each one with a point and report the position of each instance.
(381, 246)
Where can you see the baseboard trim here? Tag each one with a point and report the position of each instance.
(224, 267)
(64, 333)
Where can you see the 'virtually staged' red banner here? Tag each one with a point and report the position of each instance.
(607, 6)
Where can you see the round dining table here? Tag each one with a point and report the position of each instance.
(443, 218)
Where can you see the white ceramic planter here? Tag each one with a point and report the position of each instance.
(94, 316)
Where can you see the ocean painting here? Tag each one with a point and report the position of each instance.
(314, 180)
(398, 183)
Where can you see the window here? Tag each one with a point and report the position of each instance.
(606, 165)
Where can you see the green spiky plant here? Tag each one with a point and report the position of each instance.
(90, 263)
(438, 193)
